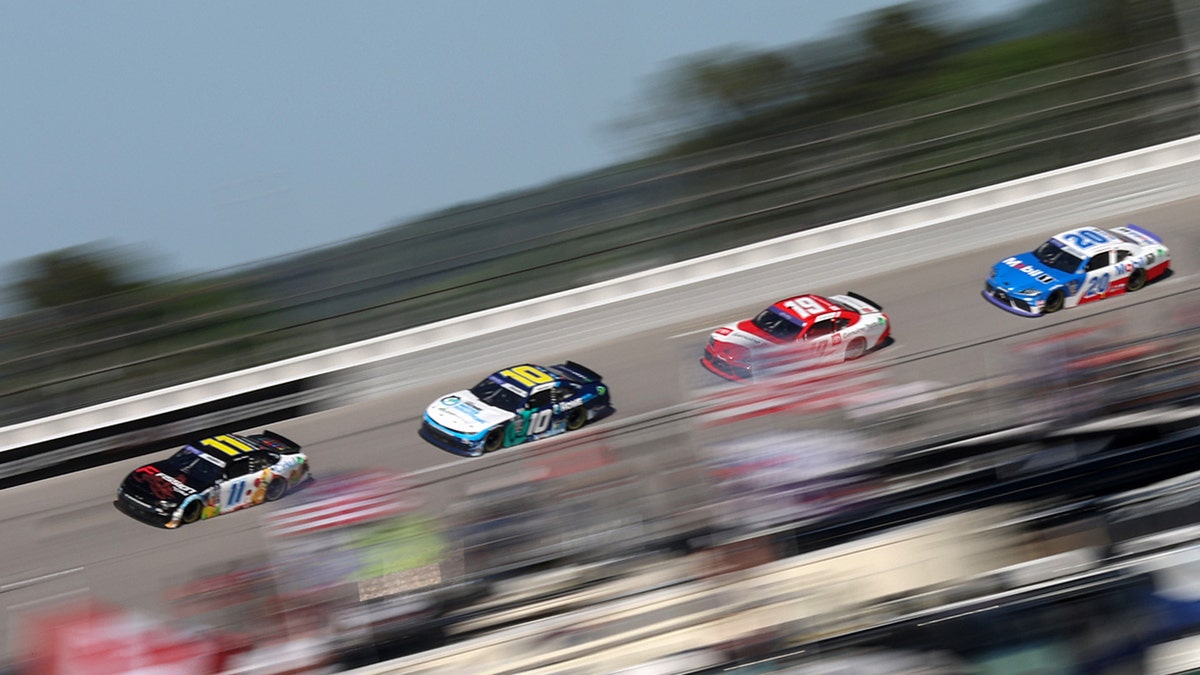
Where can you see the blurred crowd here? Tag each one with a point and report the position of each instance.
(793, 535)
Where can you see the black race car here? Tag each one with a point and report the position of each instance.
(211, 477)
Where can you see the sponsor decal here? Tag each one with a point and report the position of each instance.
(212, 460)
(148, 475)
(159, 483)
(451, 400)
(570, 405)
(514, 389)
(178, 485)
(1032, 271)
(470, 410)
(205, 456)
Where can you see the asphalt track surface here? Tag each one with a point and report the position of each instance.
(61, 537)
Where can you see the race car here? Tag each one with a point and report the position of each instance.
(515, 405)
(212, 477)
(1075, 267)
(806, 329)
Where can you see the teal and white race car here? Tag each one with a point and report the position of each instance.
(515, 405)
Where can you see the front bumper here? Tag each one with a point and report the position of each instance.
(729, 370)
(139, 510)
(1004, 300)
(447, 441)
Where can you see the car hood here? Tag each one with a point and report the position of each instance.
(744, 334)
(1026, 273)
(466, 414)
(151, 485)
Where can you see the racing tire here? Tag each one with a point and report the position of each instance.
(856, 348)
(494, 440)
(277, 488)
(576, 419)
(1136, 280)
(1054, 301)
(191, 512)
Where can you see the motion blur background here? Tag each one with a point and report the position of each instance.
(739, 145)
(941, 509)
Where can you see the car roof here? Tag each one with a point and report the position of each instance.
(1102, 240)
(786, 306)
(225, 447)
(527, 377)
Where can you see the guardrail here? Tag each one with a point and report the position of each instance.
(684, 291)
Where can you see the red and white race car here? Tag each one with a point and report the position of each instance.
(808, 329)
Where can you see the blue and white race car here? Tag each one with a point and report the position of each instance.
(514, 405)
(1078, 266)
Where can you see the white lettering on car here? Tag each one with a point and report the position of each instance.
(178, 485)
(570, 405)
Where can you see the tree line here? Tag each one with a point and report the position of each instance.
(892, 56)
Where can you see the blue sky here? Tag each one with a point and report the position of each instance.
(209, 134)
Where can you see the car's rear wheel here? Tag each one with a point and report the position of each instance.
(856, 348)
(1136, 280)
(191, 512)
(576, 419)
(1054, 301)
(277, 488)
(493, 441)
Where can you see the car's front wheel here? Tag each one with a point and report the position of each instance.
(494, 440)
(191, 512)
(1054, 301)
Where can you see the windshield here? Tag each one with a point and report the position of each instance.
(777, 325)
(1051, 254)
(493, 393)
(190, 462)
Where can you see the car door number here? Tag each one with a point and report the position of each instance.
(528, 423)
(540, 421)
(1096, 286)
(237, 492)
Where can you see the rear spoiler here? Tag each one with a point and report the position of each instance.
(861, 298)
(1142, 231)
(272, 438)
(585, 373)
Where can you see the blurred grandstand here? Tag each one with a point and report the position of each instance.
(801, 539)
